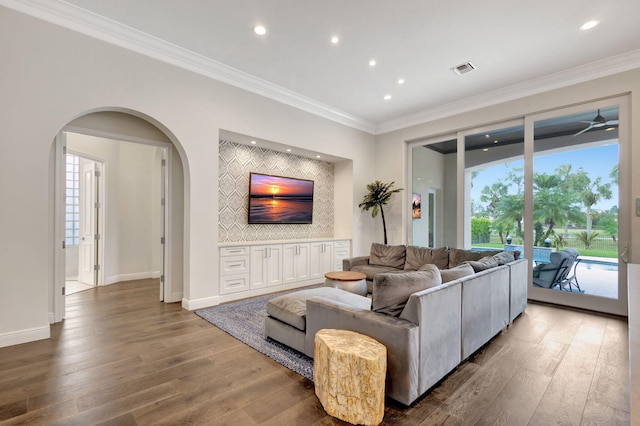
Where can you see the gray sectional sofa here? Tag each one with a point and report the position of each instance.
(430, 318)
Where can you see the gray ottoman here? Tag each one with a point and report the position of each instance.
(287, 314)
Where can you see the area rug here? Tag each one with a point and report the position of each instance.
(244, 320)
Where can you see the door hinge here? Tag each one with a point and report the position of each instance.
(64, 290)
(161, 278)
(98, 205)
(164, 162)
(162, 201)
(64, 244)
(97, 237)
(161, 240)
(96, 267)
(97, 173)
(64, 150)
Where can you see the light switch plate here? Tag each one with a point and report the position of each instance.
(638, 207)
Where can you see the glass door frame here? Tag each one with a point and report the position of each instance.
(411, 145)
(617, 306)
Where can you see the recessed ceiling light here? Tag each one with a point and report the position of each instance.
(387, 97)
(495, 141)
(487, 136)
(589, 25)
(253, 142)
(401, 81)
(260, 30)
(317, 156)
(335, 39)
(486, 149)
(372, 63)
(288, 149)
(608, 129)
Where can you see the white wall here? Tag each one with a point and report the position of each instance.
(52, 75)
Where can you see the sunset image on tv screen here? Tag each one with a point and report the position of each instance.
(277, 199)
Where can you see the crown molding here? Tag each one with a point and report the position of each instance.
(80, 20)
(601, 68)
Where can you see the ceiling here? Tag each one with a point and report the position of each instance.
(518, 48)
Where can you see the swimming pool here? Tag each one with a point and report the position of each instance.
(598, 265)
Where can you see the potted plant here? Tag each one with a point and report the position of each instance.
(379, 195)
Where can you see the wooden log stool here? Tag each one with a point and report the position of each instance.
(349, 371)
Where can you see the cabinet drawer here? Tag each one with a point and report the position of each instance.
(341, 244)
(231, 265)
(234, 251)
(234, 283)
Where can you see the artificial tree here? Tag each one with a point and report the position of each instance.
(379, 195)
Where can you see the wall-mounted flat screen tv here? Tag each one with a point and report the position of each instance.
(278, 199)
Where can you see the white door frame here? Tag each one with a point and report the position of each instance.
(59, 214)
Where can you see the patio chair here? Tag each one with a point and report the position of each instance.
(554, 274)
(572, 279)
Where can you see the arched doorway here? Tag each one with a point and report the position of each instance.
(133, 149)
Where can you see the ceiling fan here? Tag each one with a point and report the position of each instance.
(597, 122)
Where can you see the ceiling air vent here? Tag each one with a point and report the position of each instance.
(463, 68)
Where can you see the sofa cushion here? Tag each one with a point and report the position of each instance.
(418, 256)
(457, 256)
(505, 257)
(386, 255)
(291, 308)
(483, 264)
(372, 270)
(457, 272)
(391, 291)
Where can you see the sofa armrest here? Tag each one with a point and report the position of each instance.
(399, 336)
(349, 263)
(438, 313)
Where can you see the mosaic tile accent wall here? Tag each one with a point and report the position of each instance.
(235, 163)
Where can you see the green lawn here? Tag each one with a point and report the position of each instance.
(583, 252)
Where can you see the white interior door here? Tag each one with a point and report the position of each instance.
(88, 231)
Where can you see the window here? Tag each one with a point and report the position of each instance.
(72, 200)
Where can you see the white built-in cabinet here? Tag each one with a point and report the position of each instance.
(295, 262)
(321, 259)
(262, 268)
(266, 266)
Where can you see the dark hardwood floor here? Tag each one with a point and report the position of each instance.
(123, 358)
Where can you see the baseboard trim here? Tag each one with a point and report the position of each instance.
(52, 317)
(24, 336)
(132, 277)
(205, 302)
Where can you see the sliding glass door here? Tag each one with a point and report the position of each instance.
(578, 221)
(553, 186)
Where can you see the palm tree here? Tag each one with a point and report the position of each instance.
(379, 195)
(511, 209)
(552, 205)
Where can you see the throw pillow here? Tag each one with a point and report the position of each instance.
(504, 257)
(385, 255)
(483, 264)
(457, 272)
(457, 256)
(418, 256)
(391, 291)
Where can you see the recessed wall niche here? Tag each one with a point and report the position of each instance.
(235, 163)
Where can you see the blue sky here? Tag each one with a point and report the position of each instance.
(597, 162)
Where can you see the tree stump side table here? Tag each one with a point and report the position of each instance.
(349, 371)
